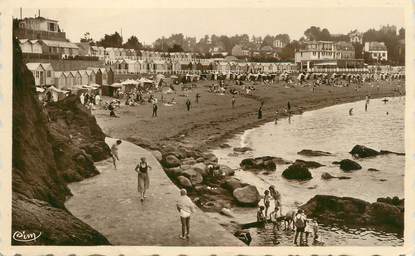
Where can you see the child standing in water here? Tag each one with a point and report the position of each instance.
(266, 202)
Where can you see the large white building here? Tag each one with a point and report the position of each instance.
(377, 50)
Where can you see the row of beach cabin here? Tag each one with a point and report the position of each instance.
(44, 75)
(162, 66)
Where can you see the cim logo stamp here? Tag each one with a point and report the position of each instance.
(22, 236)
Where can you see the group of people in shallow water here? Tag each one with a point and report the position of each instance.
(184, 204)
(295, 220)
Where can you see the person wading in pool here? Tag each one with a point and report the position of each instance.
(143, 179)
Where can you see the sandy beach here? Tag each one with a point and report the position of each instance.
(213, 119)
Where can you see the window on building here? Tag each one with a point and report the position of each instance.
(49, 74)
(37, 74)
(51, 26)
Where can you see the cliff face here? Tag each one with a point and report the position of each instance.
(50, 150)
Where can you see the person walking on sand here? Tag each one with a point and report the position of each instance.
(188, 103)
(114, 153)
(260, 112)
(289, 107)
(143, 179)
(155, 108)
(197, 98)
(233, 101)
(185, 207)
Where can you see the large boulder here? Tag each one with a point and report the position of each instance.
(247, 196)
(171, 161)
(184, 182)
(173, 172)
(157, 154)
(309, 152)
(386, 214)
(210, 158)
(200, 168)
(349, 165)
(232, 183)
(363, 151)
(297, 172)
(189, 161)
(308, 164)
(193, 176)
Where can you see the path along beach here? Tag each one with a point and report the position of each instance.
(111, 203)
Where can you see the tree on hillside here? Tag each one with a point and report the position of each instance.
(317, 34)
(401, 33)
(268, 40)
(133, 43)
(112, 40)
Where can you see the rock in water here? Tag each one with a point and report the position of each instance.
(384, 152)
(259, 163)
(373, 170)
(171, 161)
(242, 149)
(308, 164)
(349, 165)
(247, 196)
(363, 151)
(327, 176)
(297, 172)
(309, 152)
(184, 182)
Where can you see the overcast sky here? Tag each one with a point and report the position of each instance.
(150, 24)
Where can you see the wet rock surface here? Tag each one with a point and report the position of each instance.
(352, 211)
(348, 165)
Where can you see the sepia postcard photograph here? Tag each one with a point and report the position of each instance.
(270, 128)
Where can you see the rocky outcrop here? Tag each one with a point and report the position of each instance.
(51, 147)
(210, 185)
(348, 165)
(247, 195)
(309, 152)
(297, 172)
(347, 210)
(363, 151)
(308, 164)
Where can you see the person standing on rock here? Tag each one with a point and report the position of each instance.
(185, 207)
(114, 152)
(143, 179)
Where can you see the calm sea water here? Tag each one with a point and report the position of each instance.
(330, 129)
